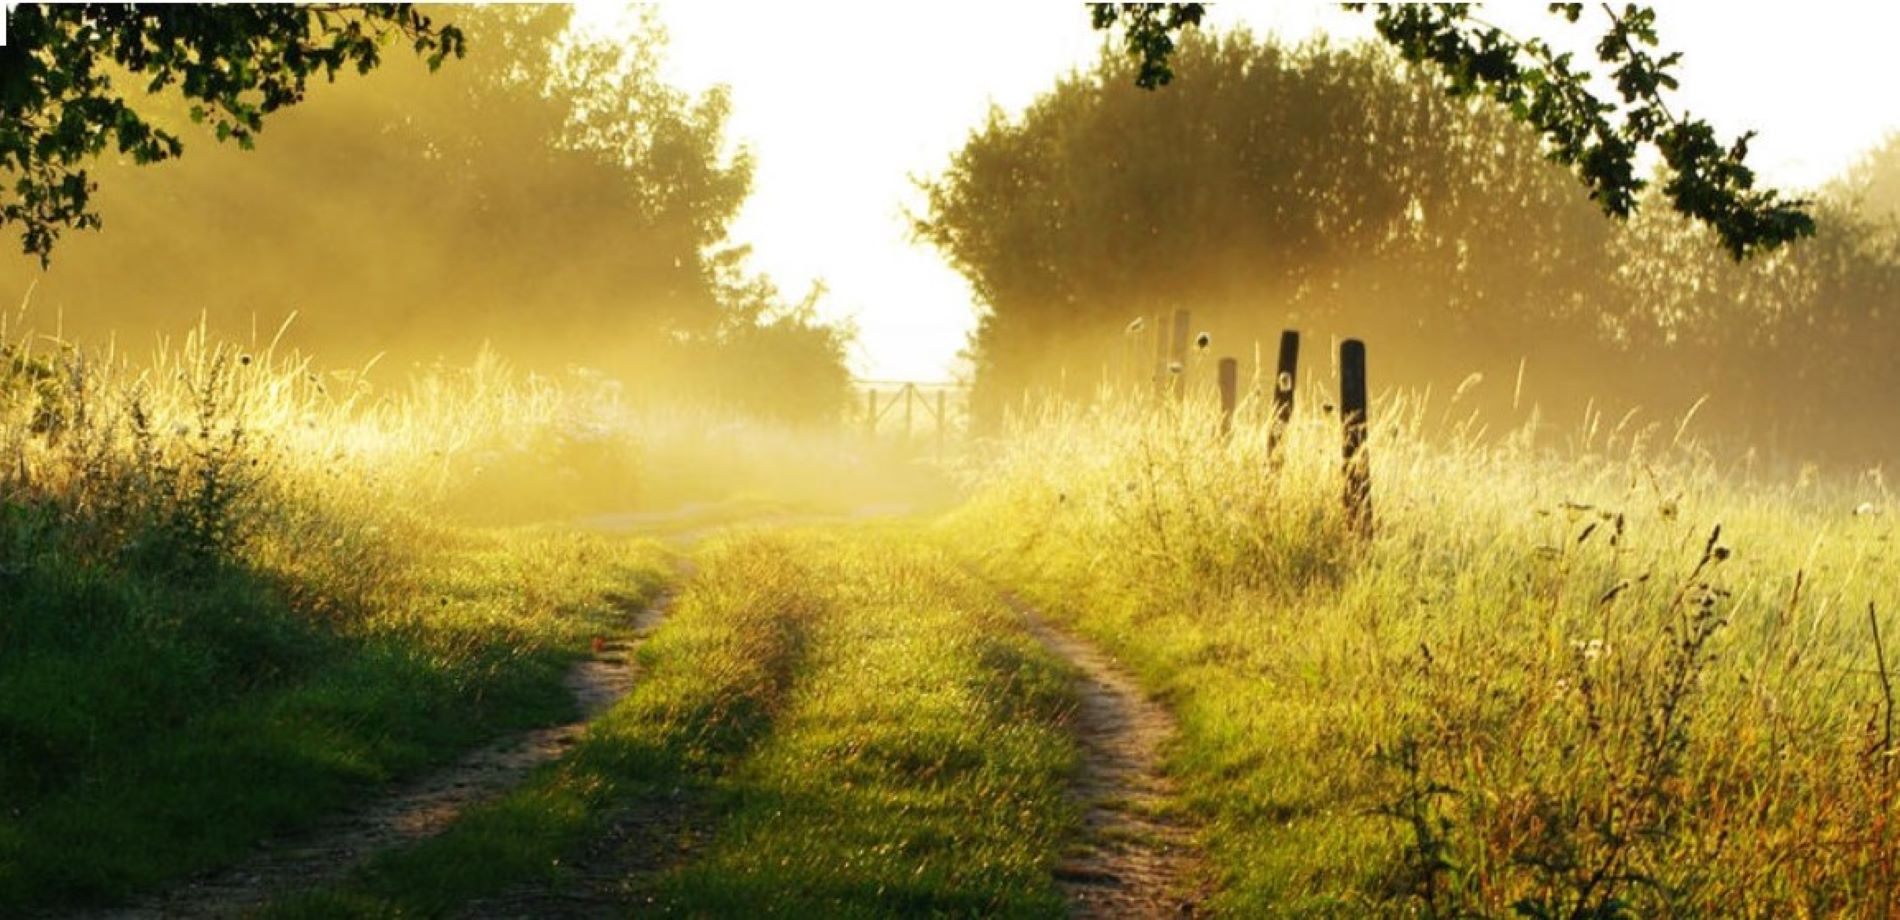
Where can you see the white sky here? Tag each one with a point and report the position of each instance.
(842, 104)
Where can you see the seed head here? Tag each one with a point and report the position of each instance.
(1202, 341)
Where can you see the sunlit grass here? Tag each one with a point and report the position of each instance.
(711, 683)
(919, 767)
(1547, 685)
(847, 726)
(228, 607)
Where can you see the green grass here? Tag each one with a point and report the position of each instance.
(1507, 696)
(918, 769)
(158, 727)
(709, 686)
(869, 726)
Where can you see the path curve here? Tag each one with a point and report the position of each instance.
(1137, 856)
(418, 809)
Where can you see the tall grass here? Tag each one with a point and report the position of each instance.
(1582, 673)
(225, 589)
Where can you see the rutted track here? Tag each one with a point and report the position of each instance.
(1137, 856)
(419, 809)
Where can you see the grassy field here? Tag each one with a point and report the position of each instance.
(1578, 672)
(862, 730)
(227, 612)
(1602, 680)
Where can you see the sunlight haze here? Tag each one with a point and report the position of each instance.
(876, 459)
(870, 95)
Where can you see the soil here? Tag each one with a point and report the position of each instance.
(1137, 855)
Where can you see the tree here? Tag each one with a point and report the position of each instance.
(1874, 180)
(1342, 193)
(1597, 138)
(60, 107)
(1319, 185)
(551, 196)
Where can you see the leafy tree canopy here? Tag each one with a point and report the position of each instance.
(1324, 182)
(1598, 138)
(551, 195)
(60, 106)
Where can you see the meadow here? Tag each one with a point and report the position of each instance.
(1581, 670)
(225, 572)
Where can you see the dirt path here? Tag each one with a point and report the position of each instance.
(1137, 856)
(421, 808)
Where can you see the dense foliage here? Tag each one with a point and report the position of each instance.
(1318, 186)
(235, 64)
(1597, 136)
(551, 196)
(1335, 191)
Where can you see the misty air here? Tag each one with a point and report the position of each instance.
(730, 459)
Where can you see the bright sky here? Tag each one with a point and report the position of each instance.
(842, 104)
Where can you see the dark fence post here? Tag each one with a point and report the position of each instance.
(1288, 370)
(1353, 415)
(1177, 355)
(1229, 392)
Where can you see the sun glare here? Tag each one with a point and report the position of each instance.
(878, 459)
(871, 95)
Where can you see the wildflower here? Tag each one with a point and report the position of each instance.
(1864, 509)
(1174, 367)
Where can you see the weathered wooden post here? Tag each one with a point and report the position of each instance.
(1229, 394)
(910, 394)
(1353, 416)
(1161, 355)
(1177, 355)
(870, 413)
(1288, 370)
(942, 420)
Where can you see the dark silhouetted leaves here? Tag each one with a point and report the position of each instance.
(1599, 140)
(59, 107)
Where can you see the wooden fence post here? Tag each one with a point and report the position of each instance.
(870, 413)
(1161, 355)
(942, 420)
(1177, 355)
(910, 396)
(1229, 392)
(1353, 416)
(1288, 371)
